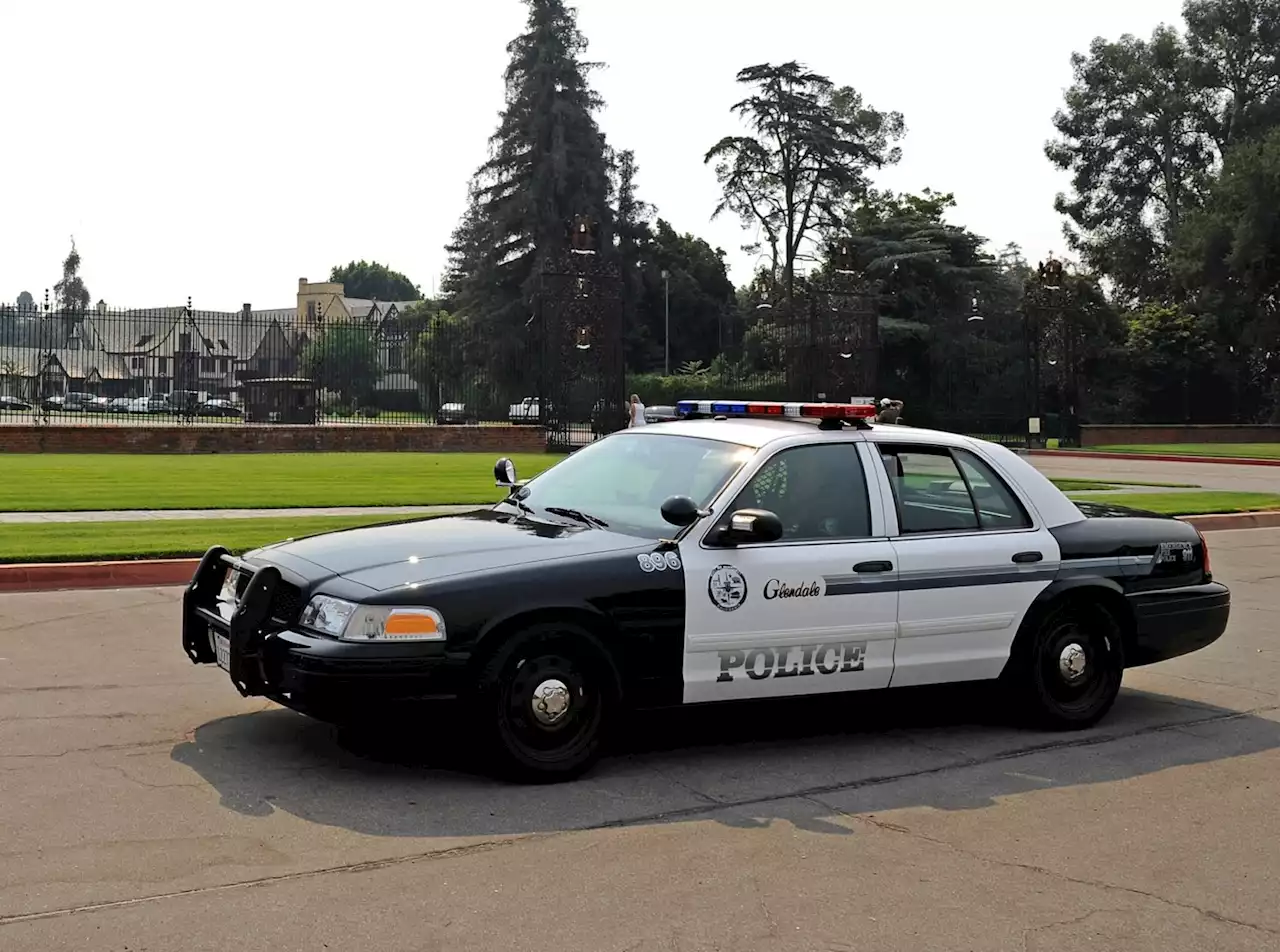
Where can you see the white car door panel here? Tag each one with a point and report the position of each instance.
(964, 590)
(795, 616)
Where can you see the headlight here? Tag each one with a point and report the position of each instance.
(327, 615)
(352, 622)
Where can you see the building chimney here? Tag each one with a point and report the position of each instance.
(302, 284)
(246, 312)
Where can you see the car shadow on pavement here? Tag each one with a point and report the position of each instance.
(805, 762)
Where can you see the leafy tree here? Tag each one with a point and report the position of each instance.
(370, 280)
(808, 149)
(1236, 47)
(26, 304)
(1228, 262)
(1168, 349)
(72, 296)
(344, 359)
(1134, 134)
(547, 164)
(442, 361)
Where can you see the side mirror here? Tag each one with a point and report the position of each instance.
(682, 511)
(504, 473)
(747, 526)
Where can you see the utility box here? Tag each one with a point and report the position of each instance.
(280, 400)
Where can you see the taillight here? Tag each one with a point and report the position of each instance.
(1204, 547)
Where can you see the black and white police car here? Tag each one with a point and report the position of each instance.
(743, 551)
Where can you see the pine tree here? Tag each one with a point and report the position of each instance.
(548, 163)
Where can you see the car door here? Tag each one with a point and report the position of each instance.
(813, 612)
(972, 556)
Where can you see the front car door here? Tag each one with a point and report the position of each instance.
(811, 613)
(972, 555)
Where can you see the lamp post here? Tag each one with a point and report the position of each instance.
(666, 336)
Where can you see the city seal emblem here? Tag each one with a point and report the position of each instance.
(727, 588)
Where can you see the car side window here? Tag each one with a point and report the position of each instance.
(998, 508)
(929, 490)
(819, 493)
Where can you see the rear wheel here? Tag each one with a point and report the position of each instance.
(544, 704)
(1067, 671)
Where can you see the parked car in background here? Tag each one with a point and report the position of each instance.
(526, 411)
(149, 405)
(454, 413)
(219, 408)
(660, 414)
(98, 405)
(13, 405)
(119, 405)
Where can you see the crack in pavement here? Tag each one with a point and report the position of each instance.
(812, 794)
(361, 867)
(1043, 870)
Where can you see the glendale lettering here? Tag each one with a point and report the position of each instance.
(760, 664)
(775, 588)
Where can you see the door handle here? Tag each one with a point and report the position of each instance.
(865, 567)
(1023, 557)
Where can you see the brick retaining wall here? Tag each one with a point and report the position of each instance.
(271, 439)
(1122, 435)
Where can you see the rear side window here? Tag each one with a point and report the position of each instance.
(941, 490)
(929, 490)
(997, 506)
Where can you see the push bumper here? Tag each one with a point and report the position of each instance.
(258, 644)
(1177, 621)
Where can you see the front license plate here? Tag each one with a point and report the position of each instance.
(222, 649)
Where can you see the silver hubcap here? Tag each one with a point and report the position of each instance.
(1072, 662)
(550, 701)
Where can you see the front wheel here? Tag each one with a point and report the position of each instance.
(545, 700)
(1067, 673)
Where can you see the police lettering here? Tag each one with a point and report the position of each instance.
(775, 588)
(760, 664)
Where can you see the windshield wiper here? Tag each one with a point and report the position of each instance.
(577, 516)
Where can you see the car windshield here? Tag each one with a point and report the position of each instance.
(624, 479)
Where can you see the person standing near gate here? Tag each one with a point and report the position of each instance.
(636, 414)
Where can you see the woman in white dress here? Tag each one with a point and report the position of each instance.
(636, 412)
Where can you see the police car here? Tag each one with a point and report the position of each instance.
(743, 551)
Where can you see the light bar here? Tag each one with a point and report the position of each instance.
(759, 408)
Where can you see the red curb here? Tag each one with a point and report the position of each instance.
(55, 576)
(1162, 457)
(1234, 520)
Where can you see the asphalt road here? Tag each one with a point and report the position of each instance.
(1223, 476)
(145, 806)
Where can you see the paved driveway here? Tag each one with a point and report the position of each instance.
(145, 806)
(1259, 479)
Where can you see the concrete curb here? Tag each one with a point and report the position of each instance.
(1160, 457)
(56, 576)
(148, 573)
(1234, 520)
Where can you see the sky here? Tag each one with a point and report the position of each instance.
(221, 151)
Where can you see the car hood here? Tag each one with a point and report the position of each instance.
(421, 550)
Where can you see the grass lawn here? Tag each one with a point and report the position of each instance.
(1188, 504)
(156, 539)
(75, 483)
(1241, 450)
(1082, 485)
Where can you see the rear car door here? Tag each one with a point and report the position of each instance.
(813, 612)
(972, 557)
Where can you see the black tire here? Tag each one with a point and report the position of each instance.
(529, 747)
(1066, 671)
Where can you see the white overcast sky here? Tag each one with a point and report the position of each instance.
(224, 150)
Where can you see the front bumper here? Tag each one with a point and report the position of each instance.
(1173, 622)
(266, 655)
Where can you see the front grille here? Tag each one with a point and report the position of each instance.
(286, 602)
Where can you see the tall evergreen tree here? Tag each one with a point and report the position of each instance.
(548, 163)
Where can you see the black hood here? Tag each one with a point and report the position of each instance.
(422, 550)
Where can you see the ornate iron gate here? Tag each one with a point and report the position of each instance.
(582, 380)
(833, 344)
